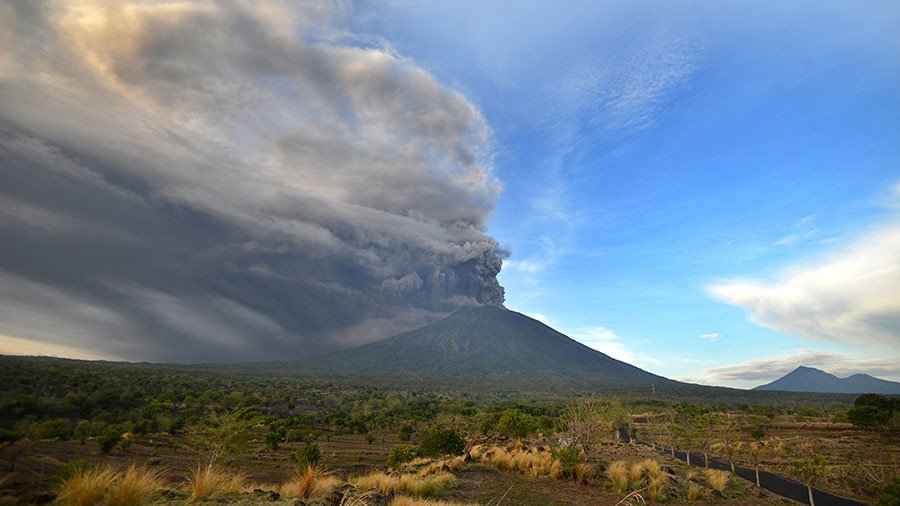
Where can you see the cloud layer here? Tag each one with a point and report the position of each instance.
(230, 181)
(850, 297)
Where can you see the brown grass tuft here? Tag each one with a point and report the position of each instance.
(375, 481)
(636, 472)
(135, 486)
(695, 493)
(617, 472)
(207, 481)
(309, 484)
(435, 485)
(86, 487)
(717, 479)
(402, 500)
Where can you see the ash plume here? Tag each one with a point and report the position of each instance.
(230, 181)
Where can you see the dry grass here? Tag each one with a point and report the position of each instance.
(309, 484)
(430, 486)
(402, 500)
(206, 481)
(135, 486)
(718, 480)
(86, 488)
(556, 470)
(617, 472)
(582, 471)
(652, 467)
(695, 493)
(530, 461)
(636, 472)
(375, 481)
(476, 452)
(416, 462)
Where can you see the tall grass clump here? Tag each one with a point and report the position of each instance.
(718, 480)
(436, 485)
(617, 472)
(85, 487)
(656, 480)
(206, 481)
(695, 493)
(402, 500)
(133, 487)
(375, 481)
(310, 483)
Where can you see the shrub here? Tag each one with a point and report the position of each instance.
(872, 410)
(406, 432)
(58, 428)
(516, 424)
(70, 469)
(442, 442)
(889, 493)
(569, 458)
(401, 454)
(109, 439)
(308, 455)
(272, 439)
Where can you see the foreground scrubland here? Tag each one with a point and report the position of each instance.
(80, 433)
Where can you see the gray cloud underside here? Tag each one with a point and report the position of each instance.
(229, 181)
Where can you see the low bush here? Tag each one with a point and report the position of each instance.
(401, 454)
(436, 442)
(309, 455)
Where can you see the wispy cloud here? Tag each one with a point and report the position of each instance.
(852, 295)
(712, 336)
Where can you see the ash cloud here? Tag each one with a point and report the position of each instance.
(230, 181)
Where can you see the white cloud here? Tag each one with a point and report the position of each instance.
(605, 341)
(851, 296)
(712, 336)
(752, 373)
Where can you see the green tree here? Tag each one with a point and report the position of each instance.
(400, 454)
(309, 455)
(436, 442)
(109, 439)
(516, 424)
(872, 410)
(806, 466)
(223, 434)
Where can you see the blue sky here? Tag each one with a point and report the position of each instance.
(652, 150)
(708, 190)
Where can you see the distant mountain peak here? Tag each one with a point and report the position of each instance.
(810, 379)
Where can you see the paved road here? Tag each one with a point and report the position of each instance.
(772, 482)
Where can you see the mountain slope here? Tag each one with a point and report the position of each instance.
(809, 379)
(482, 341)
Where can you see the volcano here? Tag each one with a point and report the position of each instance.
(482, 342)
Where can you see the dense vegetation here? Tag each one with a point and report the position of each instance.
(219, 416)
